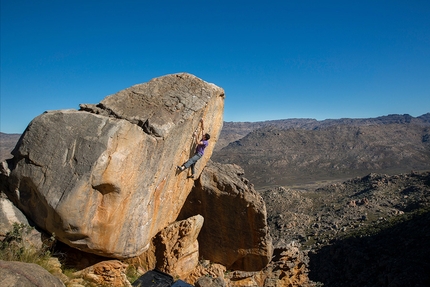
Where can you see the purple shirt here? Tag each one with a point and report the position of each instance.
(200, 149)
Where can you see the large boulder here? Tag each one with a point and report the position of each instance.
(104, 178)
(235, 233)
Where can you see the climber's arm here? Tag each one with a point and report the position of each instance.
(196, 135)
(203, 128)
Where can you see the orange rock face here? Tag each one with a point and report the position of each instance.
(177, 248)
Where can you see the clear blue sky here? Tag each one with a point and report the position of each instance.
(274, 59)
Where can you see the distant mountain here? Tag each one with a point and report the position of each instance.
(233, 131)
(7, 143)
(289, 152)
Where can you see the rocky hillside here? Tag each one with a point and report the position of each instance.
(274, 155)
(233, 131)
(371, 230)
(315, 217)
(366, 231)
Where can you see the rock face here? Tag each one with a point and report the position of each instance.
(235, 233)
(177, 248)
(103, 179)
(26, 275)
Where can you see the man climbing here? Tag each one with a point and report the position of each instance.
(200, 149)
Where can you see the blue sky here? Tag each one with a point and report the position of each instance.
(274, 59)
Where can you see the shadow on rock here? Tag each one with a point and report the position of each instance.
(397, 256)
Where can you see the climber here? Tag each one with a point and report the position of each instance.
(201, 145)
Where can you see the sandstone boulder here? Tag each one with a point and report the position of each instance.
(235, 233)
(26, 275)
(177, 248)
(103, 179)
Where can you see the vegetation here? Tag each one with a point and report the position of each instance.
(14, 248)
(132, 274)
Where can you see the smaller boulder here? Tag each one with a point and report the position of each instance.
(177, 248)
(21, 274)
(105, 273)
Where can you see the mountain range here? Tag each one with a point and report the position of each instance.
(303, 151)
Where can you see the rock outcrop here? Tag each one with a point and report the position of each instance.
(288, 268)
(103, 179)
(177, 248)
(235, 233)
(106, 273)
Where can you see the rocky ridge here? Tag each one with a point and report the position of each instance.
(233, 131)
(278, 156)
